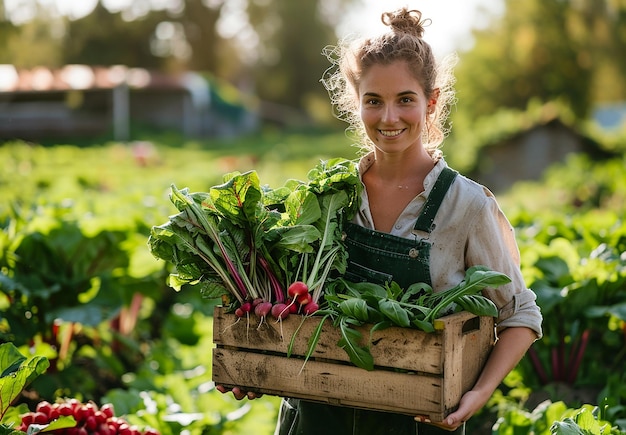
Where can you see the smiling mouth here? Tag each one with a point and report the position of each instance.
(390, 133)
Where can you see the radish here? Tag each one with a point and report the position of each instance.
(298, 292)
(310, 308)
(243, 310)
(262, 309)
(296, 289)
(304, 298)
(291, 305)
(280, 311)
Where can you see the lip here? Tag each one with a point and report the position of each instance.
(390, 134)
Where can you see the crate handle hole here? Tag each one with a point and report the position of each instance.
(471, 325)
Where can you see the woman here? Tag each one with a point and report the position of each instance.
(419, 220)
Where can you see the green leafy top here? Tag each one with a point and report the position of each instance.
(354, 304)
(238, 240)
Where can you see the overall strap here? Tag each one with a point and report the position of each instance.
(427, 216)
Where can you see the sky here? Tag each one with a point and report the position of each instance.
(452, 20)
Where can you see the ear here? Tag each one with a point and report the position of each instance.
(432, 101)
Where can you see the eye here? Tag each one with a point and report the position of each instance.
(372, 102)
(406, 100)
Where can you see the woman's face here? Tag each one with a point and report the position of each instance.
(393, 107)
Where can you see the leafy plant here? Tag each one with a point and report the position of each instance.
(574, 302)
(355, 304)
(556, 418)
(17, 372)
(245, 242)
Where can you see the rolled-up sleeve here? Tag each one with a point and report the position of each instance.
(491, 242)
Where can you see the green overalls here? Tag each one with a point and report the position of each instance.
(376, 257)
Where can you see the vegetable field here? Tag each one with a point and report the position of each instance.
(80, 286)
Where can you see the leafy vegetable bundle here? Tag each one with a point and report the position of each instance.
(355, 304)
(260, 248)
(278, 251)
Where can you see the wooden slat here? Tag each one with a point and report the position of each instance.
(329, 383)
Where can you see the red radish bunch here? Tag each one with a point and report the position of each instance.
(301, 299)
(91, 419)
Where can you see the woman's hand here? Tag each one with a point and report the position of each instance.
(510, 347)
(470, 403)
(238, 392)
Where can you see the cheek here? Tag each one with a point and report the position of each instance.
(368, 117)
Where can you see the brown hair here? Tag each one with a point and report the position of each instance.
(404, 42)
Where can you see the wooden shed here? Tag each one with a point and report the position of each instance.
(86, 101)
(527, 154)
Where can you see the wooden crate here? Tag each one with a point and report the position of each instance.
(417, 373)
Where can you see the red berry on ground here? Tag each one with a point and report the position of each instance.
(108, 410)
(28, 418)
(45, 407)
(91, 423)
(65, 409)
(40, 418)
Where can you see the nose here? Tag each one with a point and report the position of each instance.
(390, 114)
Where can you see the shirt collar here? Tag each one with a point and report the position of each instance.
(368, 160)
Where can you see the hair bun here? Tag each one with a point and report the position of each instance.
(406, 21)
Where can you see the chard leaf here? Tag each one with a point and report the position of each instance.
(298, 238)
(274, 199)
(238, 198)
(17, 371)
(394, 311)
(213, 289)
(567, 426)
(302, 208)
(177, 281)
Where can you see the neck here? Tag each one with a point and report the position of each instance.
(402, 170)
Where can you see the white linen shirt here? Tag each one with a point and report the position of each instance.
(470, 229)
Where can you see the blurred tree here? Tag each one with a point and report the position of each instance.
(599, 28)
(7, 32)
(292, 36)
(35, 41)
(273, 46)
(546, 50)
(199, 21)
(105, 38)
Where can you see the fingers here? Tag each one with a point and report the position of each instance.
(448, 424)
(238, 393)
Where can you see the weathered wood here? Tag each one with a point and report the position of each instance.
(416, 372)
